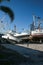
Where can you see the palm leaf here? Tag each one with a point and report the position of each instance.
(1, 1)
(8, 11)
(4, 0)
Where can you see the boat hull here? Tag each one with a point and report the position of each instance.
(36, 35)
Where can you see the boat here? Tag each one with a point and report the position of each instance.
(36, 33)
(9, 35)
(16, 37)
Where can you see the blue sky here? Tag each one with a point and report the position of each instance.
(23, 10)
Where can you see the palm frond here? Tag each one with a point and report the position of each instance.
(4, 0)
(8, 11)
(1, 1)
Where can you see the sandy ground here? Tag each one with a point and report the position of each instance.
(32, 46)
(35, 56)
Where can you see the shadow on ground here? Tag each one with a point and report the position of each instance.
(10, 57)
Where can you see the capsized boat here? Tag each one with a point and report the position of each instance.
(17, 37)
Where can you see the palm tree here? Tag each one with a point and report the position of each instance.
(7, 10)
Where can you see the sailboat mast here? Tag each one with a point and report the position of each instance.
(15, 28)
(39, 23)
(34, 20)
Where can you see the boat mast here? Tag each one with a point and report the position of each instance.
(34, 20)
(15, 28)
(32, 26)
(38, 23)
